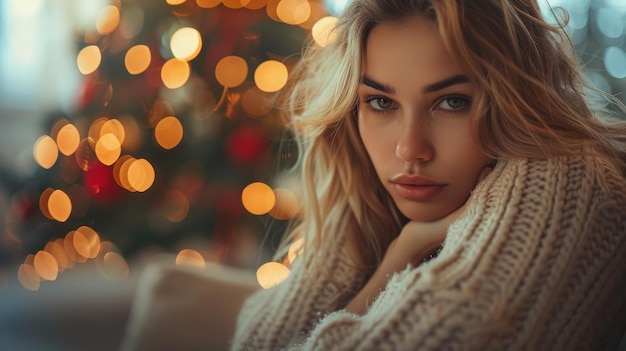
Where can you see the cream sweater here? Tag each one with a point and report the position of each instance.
(537, 262)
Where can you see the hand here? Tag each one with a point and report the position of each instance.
(414, 243)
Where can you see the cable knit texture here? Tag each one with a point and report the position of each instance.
(536, 262)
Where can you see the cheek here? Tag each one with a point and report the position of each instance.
(464, 157)
(366, 132)
(377, 139)
(469, 165)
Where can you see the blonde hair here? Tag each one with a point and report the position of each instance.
(530, 104)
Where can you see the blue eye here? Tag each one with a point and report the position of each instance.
(380, 103)
(453, 103)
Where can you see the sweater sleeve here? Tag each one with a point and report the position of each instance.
(283, 315)
(536, 262)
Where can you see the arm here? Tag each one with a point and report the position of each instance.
(412, 246)
(415, 242)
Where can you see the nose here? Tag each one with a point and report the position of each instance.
(414, 143)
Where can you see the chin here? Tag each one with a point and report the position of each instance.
(426, 213)
(423, 216)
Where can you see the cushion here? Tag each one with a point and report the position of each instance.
(186, 308)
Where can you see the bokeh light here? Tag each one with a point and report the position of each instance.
(59, 205)
(286, 205)
(295, 250)
(323, 31)
(272, 8)
(190, 258)
(95, 127)
(70, 248)
(271, 274)
(235, 4)
(256, 4)
(28, 277)
(120, 171)
(258, 198)
(615, 62)
(175, 2)
(137, 59)
(86, 242)
(108, 149)
(114, 127)
(46, 265)
(89, 59)
(175, 73)
(168, 132)
(207, 4)
(46, 152)
(108, 19)
(68, 139)
(186, 43)
(271, 76)
(140, 175)
(293, 11)
(56, 249)
(610, 22)
(43, 202)
(84, 154)
(231, 71)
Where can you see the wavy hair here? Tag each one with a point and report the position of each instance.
(531, 103)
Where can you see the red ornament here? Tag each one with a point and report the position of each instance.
(101, 184)
(247, 146)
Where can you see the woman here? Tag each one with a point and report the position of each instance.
(459, 190)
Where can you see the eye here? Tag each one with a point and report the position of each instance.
(453, 103)
(380, 103)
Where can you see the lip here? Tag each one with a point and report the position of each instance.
(415, 187)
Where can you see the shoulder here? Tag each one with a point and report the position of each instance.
(575, 179)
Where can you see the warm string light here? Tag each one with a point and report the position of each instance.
(190, 258)
(104, 143)
(186, 43)
(323, 30)
(259, 198)
(77, 247)
(271, 274)
(89, 59)
(137, 59)
(107, 20)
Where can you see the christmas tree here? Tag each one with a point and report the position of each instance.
(174, 143)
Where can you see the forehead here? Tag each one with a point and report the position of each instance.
(412, 48)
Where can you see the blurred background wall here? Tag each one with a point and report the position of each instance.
(130, 128)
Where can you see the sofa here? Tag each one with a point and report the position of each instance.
(159, 306)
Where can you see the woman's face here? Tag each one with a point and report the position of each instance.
(415, 120)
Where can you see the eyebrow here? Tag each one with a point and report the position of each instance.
(458, 79)
(378, 86)
(442, 84)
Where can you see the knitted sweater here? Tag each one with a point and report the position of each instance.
(536, 262)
